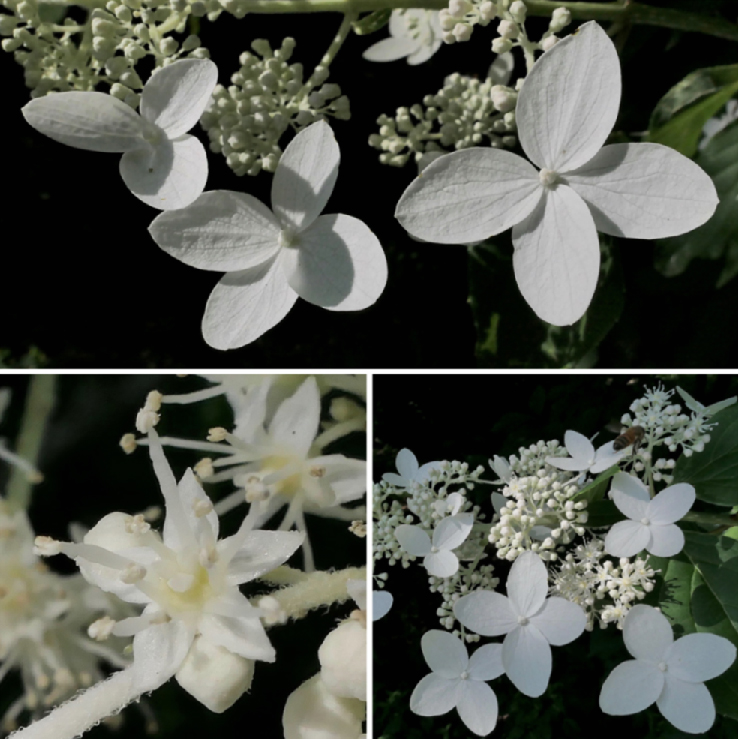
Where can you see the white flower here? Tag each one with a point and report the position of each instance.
(196, 621)
(438, 557)
(458, 682)
(409, 469)
(501, 467)
(531, 621)
(381, 603)
(565, 111)
(583, 456)
(451, 505)
(415, 34)
(708, 411)
(651, 525)
(272, 258)
(667, 672)
(162, 165)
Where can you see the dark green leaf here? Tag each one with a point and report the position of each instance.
(676, 592)
(602, 513)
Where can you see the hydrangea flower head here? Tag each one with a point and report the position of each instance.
(272, 257)
(531, 622)
(651, 523)
(438, 557)
(162, 165)
(414, 34)
(583, 455)
(666, 672)
(565, 111)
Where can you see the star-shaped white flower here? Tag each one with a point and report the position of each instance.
(272, 257)
(409, 470)
(583, 455)
(651, 522)
(666, 672)
(438, 557)
(565, 111)
(414, 33)
(162, 164)
(531, 621)
(459, 682)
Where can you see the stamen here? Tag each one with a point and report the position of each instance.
(101, 629)
(128, 443)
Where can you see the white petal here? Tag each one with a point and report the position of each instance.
(86, 120)
(172, 175)
(469, 196)
(671, 504)
(452, 531)
(477, 707)
(357, 590)
(624, 483)
(413, 540)
(424, 52)
(527, 660)
(666, 541)
(394, 479)
(486, 662)
(570, 464)
(501, 69)
(445, 653)
(570, 100)
(634, 508)
(261, 552)
(338, 264)
(442, 564)
(242, 636)
(486, 613)
(699, 657)
(688, 706)
(246, 304)
(527, 584)
(434, 695)
(296, 422)
(223, 231)
(644, 191)
(381, 604)
(346, 477)
(606, 457)
(423, 472)
(631, 687)
(390, 49)
(560, 621)
(407, 464)
(158, 652)
(498, 501)
(579, 446)
(557, 257)
(175, 96)
(647, 633)
(190, 492)
(305, 176)
(627, 538)
(454, 502)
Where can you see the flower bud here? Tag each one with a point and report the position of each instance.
(549, 42)
(503, 98)
(518, 11)
(560, 19)
(501, 45)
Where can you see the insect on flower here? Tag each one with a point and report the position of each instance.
(632, 436)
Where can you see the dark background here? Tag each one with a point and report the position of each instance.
(87, 287)
(472, 418)
(87, 476)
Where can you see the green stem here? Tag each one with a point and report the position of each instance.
(711, 519)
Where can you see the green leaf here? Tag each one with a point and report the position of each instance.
(714, 472)
(372, 22)
(676, 592)
(602, 513)
(719, 236)
(596, 489)
(679, 117)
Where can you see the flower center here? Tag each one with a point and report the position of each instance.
(288, 238)
(464, 675)
(645, 521)
(549, 179)
(434, 550)
(523, 620)
(663, 666)
(288, 485)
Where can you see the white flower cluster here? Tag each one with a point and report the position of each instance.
(606, 591)
(246, 120)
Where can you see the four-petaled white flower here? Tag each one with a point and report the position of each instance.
(162, 164)
(565, 111)
(409, 469)
(501, 467)
(438, 557)
(196, 624)
(531, 621)
(458, 681)
(415, 34)
(583, 455)
(272, 257)
(666, 672)
(381, 603)
(651, 525)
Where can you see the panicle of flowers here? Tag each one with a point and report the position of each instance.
(605, 590)
(246, 120)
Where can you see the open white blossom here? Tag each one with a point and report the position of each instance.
(458, 681)
(666, 672)
(162, 165)
(565, 111)
(651, 525)
(531, 622)
(438, 556)
(414, 33)
(409, 470)
(272, 257)
(583, 455)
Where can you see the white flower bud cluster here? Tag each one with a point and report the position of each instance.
(542, 500)
(246, 120)
(466, 580)
(604, 590)
(462, 112)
